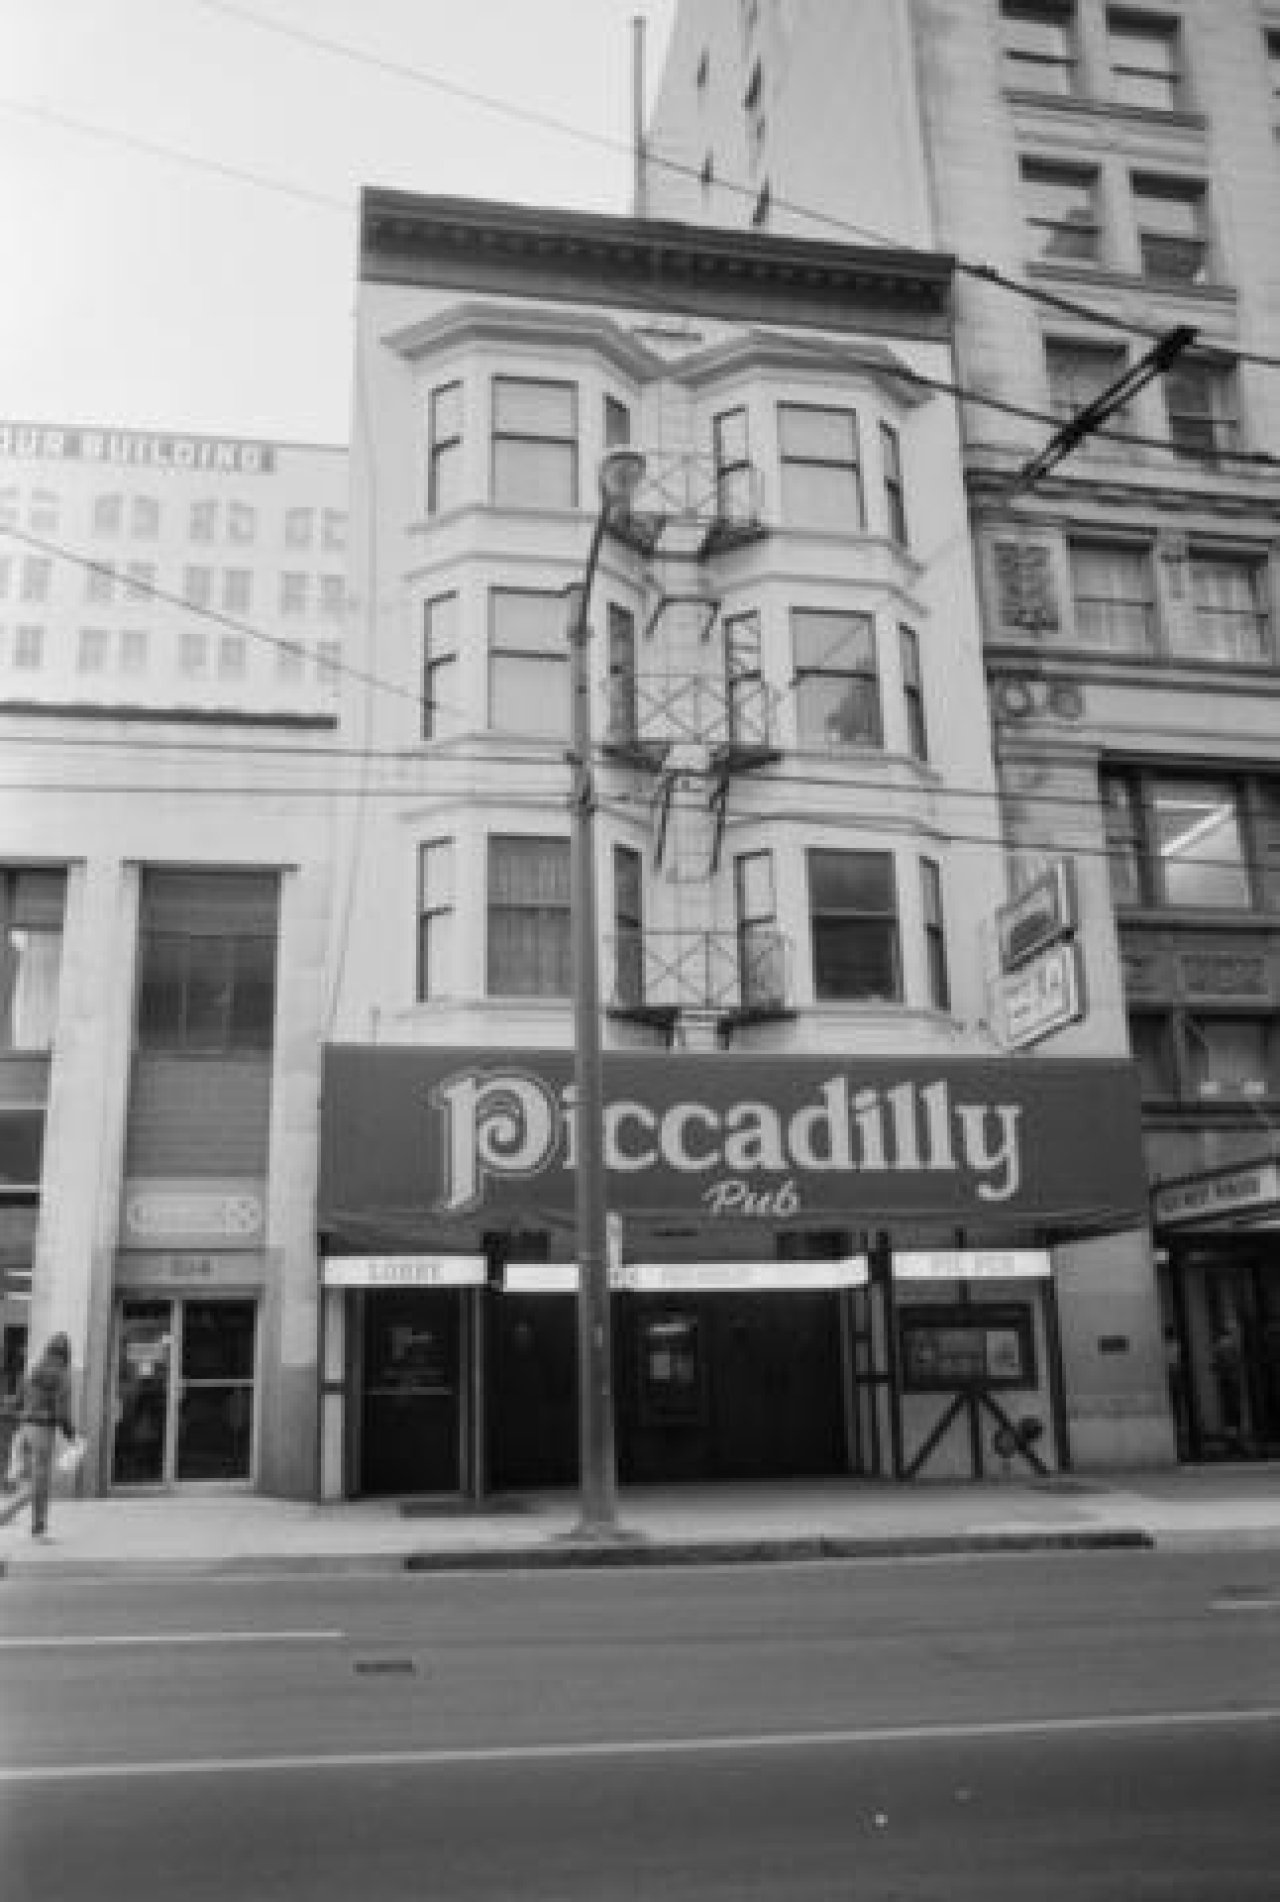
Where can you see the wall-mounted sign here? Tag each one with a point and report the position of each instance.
(1045, 912)
(403, 1271)
(1043, 996)
(189, 1269)
(973, 1264)
(437, 1146)
(942, 1348)
(1228, 1192)
(172, 1214)
(136, 448)
(692, 1277)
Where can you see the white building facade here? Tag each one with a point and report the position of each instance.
(811, 1120)
(1105, 174)
(172, 619)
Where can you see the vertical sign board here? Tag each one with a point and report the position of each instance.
(1042, 915)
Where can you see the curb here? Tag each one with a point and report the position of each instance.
(572, 1555)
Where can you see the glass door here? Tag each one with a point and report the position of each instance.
(184, 1391)
(144, 1341)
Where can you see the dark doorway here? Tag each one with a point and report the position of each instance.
(532, 1382)
(410, 1437)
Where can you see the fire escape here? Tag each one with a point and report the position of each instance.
(689, 711)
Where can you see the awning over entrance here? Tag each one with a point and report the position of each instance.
(431, 1149)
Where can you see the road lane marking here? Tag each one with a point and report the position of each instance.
(623, 1748)
(1245, 1602)
(92, 1641)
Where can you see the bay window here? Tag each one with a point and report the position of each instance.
(854, 925)
(528, 663)
(821, 469)
(837, 685)
(535, 443)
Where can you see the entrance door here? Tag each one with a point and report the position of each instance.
(184, 1391)
(410, 1428)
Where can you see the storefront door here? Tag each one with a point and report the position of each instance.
(1221, 1302)
(184, 1391)
(410, 1433)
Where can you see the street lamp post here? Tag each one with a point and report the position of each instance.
(620, 471)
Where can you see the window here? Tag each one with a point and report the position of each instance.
(435, 918)
(328, 662)
(761, 955)
(617, 423)
(444, 448)
(913, 692)
(133, 651)
(231, 657)
(853, 918)
(108, 514)
(1176, 842)
(293, 593)
(207, 962)
(1145, 60)
(193, 653)
(291, 659)
(335, 529)
(624, 712)
(891, 467)
(197, 586)
(92, 650)
(145, 517)
(1039, 46)
(37, 570)
(43, 511)
(529, 937)
(242, 522)
(100, 583)
(1171, 217)
(836, 682)
(297, 528)
(31, 906)
(731, 452)
(1152, 1046)
(439, 666)
(237, 590)
(204, 521)
(628, 927)
(333, 597)
(535, 443)
(28, 648)
(1111, 585)
(935, 936)
(1231, 1056)
(1230, 621)
(1202, 407)
(821, 472)
(140, 582)
(746, 698)
(1062, 212)
(528, 663)
(1079, 373)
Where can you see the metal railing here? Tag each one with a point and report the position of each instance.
(699, 970)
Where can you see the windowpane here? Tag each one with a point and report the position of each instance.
(895, 498)
(1200, 402)
(628, 923)
(1144, 60)
(435, 917)
(1062, 214)
(1197, 836)
(529, 668)
(535, 474)
(1039, 45)
(30, 958)
(1123, 828)
(1151, 1043)
(1112, 589)
(1172, 232)
(1230, 623)
(935, 936)
(1231, 1056)
(529, 937)
(854, 926)
(524, 408)
(440, 713)
(837, 689)
(1079, 373)
(913, 692)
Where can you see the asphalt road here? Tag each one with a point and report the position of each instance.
(1094, 1725)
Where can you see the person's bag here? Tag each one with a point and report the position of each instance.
(71, 1456)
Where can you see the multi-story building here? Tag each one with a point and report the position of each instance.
(172, 611)
(1105, 173)
(849, 1233)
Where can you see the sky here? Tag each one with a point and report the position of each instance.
(178, 182)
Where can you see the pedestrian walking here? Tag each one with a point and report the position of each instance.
(44, 1409)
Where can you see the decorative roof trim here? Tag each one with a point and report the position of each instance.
(587, 257)
(776, 351)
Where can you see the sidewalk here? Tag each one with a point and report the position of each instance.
(242, 1534)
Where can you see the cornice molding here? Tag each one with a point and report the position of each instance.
(590, 258)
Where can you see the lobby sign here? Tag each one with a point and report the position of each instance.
(422, 1147)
